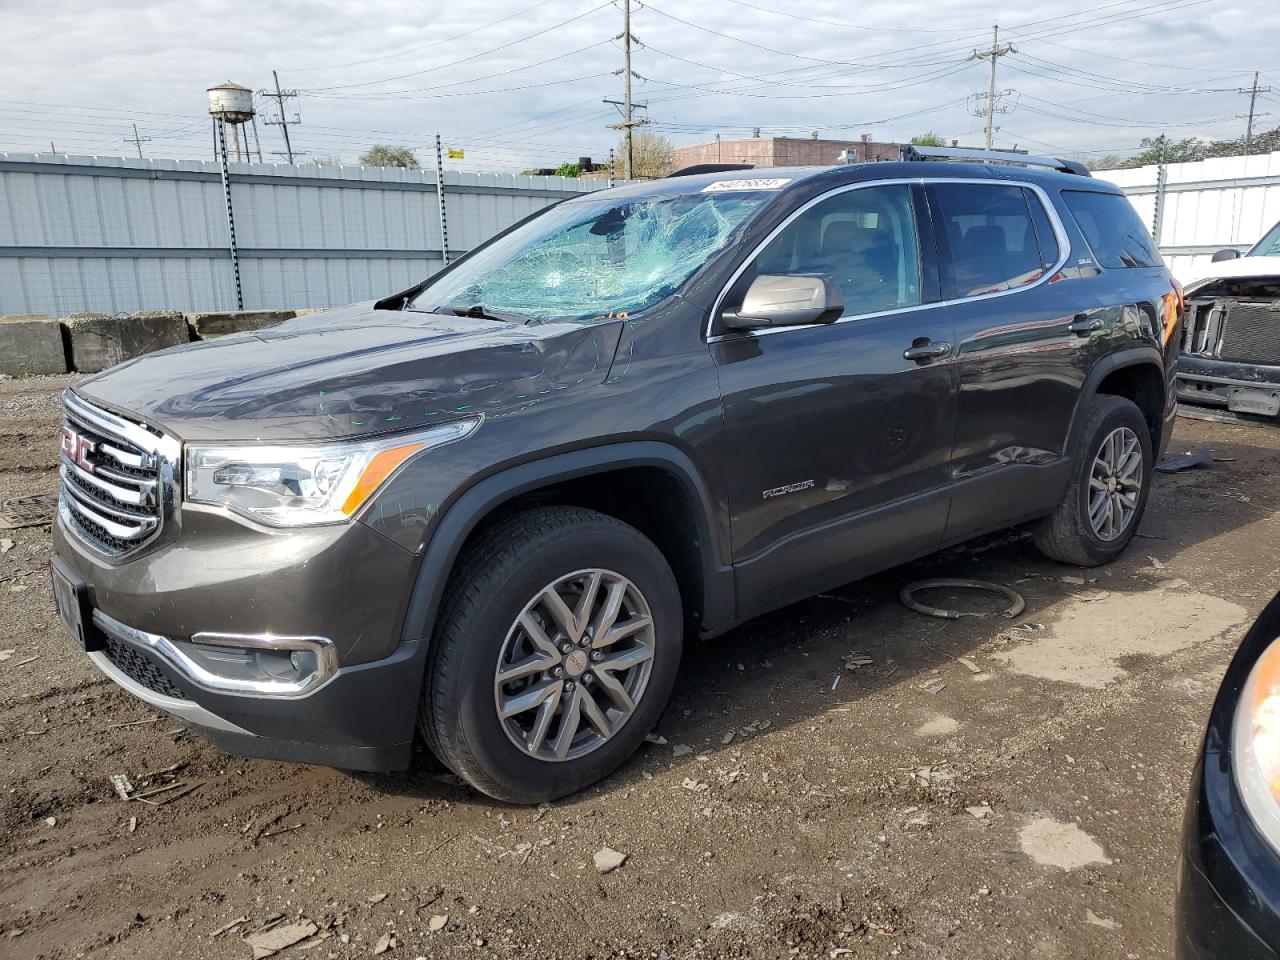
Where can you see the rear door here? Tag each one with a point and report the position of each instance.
(1027, 332)
(837, 445)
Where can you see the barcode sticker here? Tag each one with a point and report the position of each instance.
(765, 183)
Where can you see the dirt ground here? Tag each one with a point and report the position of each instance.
(841, 778)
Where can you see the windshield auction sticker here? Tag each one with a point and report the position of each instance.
(768, 183)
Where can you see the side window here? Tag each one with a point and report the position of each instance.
(866, 239)
(1047, 239)
(1112, 228)
(989, 239)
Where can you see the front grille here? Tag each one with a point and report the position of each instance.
(111, 494)
(1245, 331)
(141, 668)
(1251, 333)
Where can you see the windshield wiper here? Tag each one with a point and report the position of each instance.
(480, 312)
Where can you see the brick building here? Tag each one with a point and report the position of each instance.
(784, 151)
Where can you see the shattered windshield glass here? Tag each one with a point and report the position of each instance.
(591, 259)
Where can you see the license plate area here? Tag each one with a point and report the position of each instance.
(1264, 403)
(71, 597)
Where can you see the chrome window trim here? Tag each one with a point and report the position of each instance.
(1059, 230)
(172, 653)
(163, 453)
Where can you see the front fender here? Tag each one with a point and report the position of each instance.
(459, 518)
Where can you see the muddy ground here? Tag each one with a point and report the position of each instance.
(804, 803)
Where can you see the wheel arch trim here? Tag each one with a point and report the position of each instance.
(1118, 360)
(478, 501)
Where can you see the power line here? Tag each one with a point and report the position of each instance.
(467, 59)
(425, 46)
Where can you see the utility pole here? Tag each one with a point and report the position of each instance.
(256, 139)
(991, 97)
(628, 123)
(1253, 92)
(280, 96)
(626, 80)
(138, 141)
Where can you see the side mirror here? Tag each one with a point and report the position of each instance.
(1226, 253)
(784, 300)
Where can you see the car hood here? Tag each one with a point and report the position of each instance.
(354, 371)
(1262, 267)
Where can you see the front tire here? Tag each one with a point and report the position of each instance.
(1107, 494)
(556, 650)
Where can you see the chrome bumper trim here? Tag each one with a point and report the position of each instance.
(172, 653)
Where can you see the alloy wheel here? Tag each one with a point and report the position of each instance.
(574, 665)
(1115, 483)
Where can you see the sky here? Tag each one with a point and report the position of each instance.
(517, 83)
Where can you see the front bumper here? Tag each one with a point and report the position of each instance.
(1228, 904)
(345, 587)
(1221, 383)
(361, 718)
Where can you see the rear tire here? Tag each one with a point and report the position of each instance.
(589, 678)
(1106, 496)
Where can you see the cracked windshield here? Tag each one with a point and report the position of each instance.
(588, 260)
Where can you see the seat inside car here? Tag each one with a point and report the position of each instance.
(864, 261)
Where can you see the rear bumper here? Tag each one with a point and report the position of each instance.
(362, 718)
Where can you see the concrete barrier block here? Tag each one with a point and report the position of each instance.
(206, 326)
(100, 340)
(31, 344)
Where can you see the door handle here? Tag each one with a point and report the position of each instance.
(1082, 324)
(922, 351)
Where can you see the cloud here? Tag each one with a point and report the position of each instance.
(519, 83)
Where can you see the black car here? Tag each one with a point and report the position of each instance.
(1229, 885)
(489, 509)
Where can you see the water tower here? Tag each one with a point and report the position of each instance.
(230, 103)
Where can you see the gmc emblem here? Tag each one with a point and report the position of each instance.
(77, 448)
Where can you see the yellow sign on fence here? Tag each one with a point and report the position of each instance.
(456, 154)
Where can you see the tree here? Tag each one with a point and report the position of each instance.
(929, 139)
(568, 170)
(1163, 150)
(383, 155)
(652, 155)
(1112, 161)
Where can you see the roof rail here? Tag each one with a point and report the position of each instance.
(709, 168)
(911, 152)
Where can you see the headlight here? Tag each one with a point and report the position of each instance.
(293, 486)
(1255, 744)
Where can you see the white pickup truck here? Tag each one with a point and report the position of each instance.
(1231, 342)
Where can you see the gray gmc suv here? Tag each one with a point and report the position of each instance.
(489, 510)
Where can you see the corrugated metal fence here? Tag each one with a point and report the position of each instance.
(1195, 209)
(111, 234)
(107, 234)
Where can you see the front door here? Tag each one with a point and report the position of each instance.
(838, 436)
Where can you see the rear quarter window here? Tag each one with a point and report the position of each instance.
(1113, 230)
